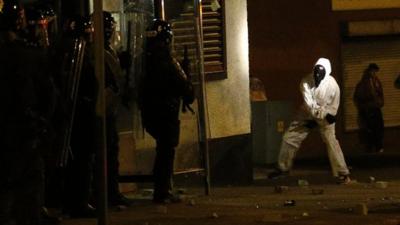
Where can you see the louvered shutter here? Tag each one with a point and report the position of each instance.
(214, 39)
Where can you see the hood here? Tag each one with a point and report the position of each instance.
(326, 64)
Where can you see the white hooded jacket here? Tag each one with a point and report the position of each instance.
(324, 99)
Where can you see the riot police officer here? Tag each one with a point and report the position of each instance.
(81, 111)
(165, 85)
(113, 75)
(25, 93)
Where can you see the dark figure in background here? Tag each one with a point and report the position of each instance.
(25, 92)
(37, 34)
(79, 168)
(113, 73)
(164, 86)
(368, 98)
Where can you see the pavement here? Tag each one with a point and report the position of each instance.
(309, 196)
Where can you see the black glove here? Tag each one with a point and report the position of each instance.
(331, 119)
(310, 124)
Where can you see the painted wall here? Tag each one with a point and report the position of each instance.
(228, 99)
(286, 37)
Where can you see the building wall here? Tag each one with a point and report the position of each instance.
(228, 99)
(286, 37)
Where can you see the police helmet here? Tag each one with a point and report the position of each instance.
(109, 25)
(160, 30)
(34, 16)
(79, 25)
(11, 15)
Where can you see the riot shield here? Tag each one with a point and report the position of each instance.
(137, 16)
(71, 58)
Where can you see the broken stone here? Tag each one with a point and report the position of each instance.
(214, 215)
(317, 191)
(388, 199)
(350, 209)
(192, 202)
(372, 179)
(361, 209)
(302, 183)
(181, 191)
(281, 189)
(381, 184)
(289, 203)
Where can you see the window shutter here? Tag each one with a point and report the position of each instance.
(214, 39)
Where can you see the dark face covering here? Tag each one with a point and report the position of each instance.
(319, 74)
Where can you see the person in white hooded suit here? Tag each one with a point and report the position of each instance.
(321, 95)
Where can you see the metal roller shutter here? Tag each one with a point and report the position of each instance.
(356, 56)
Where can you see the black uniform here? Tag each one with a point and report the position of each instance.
(163, 89)
(112, 72)
(369, 100)
(26, 93)
(79, 170)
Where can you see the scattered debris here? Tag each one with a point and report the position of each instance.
(281, 189)
(388, 198)
(289, 203)
(305, 214)
(214, 215)
(181, 191)
(361, 209)
(372, 179)
(302, 183)
(317, 191)
(192, 202)
(381, 184)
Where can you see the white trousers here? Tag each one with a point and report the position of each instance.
(295, 135)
